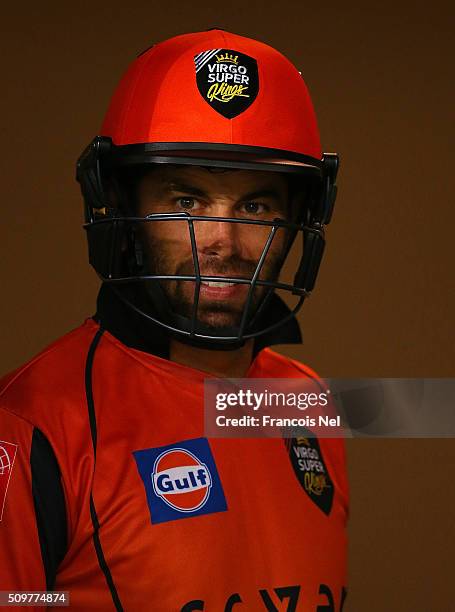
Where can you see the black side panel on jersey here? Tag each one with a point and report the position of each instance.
(50, 508)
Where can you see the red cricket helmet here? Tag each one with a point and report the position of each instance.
(211, 99)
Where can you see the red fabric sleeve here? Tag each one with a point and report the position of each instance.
(21, 566)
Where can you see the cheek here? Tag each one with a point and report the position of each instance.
(166, 240)
(251, 241)
(254, 238)
(256, 241)
(162, 231)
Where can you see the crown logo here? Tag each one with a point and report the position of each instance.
(227, 57)
(303, 441)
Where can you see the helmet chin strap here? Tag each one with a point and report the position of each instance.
(207, 330)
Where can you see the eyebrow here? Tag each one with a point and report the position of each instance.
(185, 188)
(252, 195)
(272, 194)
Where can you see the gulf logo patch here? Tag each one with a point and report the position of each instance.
(181, 480)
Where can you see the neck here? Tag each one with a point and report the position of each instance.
(224, 364)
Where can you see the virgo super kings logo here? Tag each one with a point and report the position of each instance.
(227, 80)
(181, 480)
(309, 466)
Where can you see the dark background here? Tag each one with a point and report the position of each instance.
(381, 78)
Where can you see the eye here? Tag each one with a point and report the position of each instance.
(186, 203)
(254, 208)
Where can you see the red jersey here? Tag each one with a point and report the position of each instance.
(158, 517)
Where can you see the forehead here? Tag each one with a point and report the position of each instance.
(213, 180)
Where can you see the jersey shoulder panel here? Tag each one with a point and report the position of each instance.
(48, 394)
(51, 378)
(275, 365)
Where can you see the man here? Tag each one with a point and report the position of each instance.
(207, 174)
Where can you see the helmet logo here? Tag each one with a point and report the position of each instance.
(227, 80)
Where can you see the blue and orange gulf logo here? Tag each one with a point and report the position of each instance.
(181, 480)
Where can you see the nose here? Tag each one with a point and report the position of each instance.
(217, 238)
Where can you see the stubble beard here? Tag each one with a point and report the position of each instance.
(213, 313)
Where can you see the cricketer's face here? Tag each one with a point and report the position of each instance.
(224, 248)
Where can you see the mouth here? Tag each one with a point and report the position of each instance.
(217, 284)
(221, 290)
